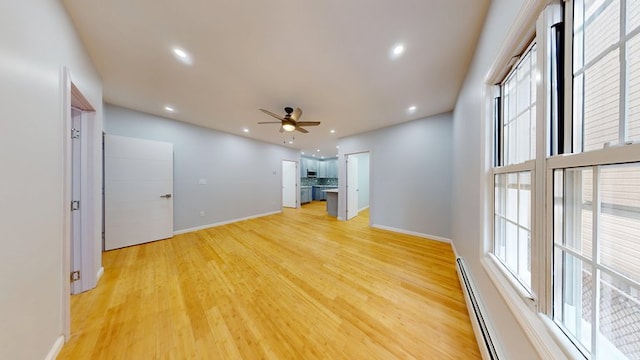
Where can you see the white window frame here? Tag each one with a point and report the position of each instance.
(621, 153)
(529, 309)
(500, 145)
(535, 313)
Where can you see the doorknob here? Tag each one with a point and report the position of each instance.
(166, 196)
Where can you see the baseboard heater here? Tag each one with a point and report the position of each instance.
(477, 311)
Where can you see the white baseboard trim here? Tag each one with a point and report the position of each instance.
(413, 233)
(55, 349)
(184, 231)
(364, 208)
(99, 274)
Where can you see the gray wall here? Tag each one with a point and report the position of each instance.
(38, 40)
(467, 224)
(243, 176)
(410, 174)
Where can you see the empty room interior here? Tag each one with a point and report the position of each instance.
(320, 180)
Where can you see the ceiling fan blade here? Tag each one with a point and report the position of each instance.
(272, 114)
(308, 123)
(301, 129)
(270, 122)
(296, 114)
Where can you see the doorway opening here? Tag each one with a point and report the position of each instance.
(358, 183)
(289, 184)
(81, 210)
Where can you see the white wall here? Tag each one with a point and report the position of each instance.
(410, 175)
(467, 226)
(243, 176)
(37, 41)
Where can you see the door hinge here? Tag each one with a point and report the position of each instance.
(75, 275)
(75, 133)
(75, 205)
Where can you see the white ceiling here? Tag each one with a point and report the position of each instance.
(331, 58)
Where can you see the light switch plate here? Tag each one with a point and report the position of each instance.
(202, 181)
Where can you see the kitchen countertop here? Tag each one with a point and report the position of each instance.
(331, 190)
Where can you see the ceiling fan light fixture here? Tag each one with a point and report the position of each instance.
(288, 125)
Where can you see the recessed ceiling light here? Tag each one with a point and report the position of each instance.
(245, 130)
(397, 50)
(411, 109)
(182, 55)
(333, 131)
(337, 146)
(318, 150)
(169, 109)
(302, 153)
(290, 142)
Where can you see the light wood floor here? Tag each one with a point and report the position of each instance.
(297, 285)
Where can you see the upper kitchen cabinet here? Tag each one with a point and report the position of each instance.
(307, 164)
(331, 168)
(322, 169)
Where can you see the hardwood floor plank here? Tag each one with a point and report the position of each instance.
(296, 285)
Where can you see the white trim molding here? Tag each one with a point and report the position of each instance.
(55, 349)
(413, 233)
(99, 274)
(184, 231)
(531, 322)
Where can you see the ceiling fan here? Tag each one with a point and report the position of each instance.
(290, 121)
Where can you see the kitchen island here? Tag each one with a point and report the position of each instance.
(332, 201)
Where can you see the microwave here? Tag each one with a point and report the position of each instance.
(311, 173)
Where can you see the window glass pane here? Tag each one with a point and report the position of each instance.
(523, 138)
(512, 247)
(633, 78)
(524, 217)
(518, 92)
(573, 210)
(633, 15)
(558, 206)
(512, 197)
(524, 257)
(578, 103)
(532, 150)
(619, 235)
(619, 333)
(578, 35)
(602, 27)
(602, 102)
(572, 297)
(499, 194)
(499, 243)
(512, 219)
(524, 84)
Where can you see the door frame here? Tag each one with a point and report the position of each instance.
(342, 181)
(90, 189)
(296, 175)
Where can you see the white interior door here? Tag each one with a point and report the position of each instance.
(138, 191)
(289, 183)
(352, 187)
